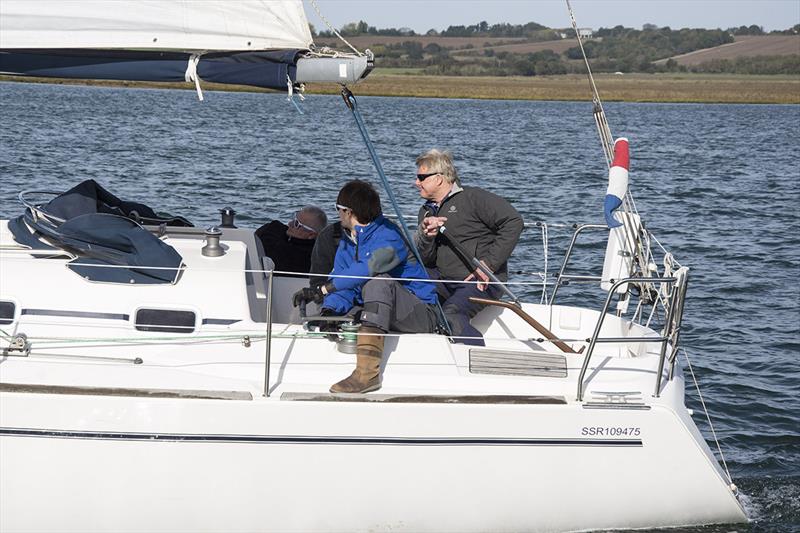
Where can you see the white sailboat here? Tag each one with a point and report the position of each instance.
(190, 395)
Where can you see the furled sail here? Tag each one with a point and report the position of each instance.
(187, 26)
(249, 42)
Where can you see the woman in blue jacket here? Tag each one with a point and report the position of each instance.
(372, 249)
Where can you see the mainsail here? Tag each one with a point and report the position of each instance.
(248, 42)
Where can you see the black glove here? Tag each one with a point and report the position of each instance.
(308, 294)
(324, 326)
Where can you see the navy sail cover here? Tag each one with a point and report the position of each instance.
(271, 69)
(103, 231)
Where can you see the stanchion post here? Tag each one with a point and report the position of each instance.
(268, 348)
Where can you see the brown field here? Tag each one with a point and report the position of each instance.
(514, 45)
(628, 88)
(365, 41)
(559, 46)
(743, 46)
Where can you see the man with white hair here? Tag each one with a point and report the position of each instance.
(484, 224)
(290, 245)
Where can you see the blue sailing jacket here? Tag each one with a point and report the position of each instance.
(378, 248)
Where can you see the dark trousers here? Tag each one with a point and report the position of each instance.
(458, 310)
(391, 307)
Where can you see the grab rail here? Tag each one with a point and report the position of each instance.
(578, 229)
(36, 209)
(665, 337)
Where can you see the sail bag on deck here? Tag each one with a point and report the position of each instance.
(103, 234)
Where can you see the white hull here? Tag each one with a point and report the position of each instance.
(91, 440)
(271, 465)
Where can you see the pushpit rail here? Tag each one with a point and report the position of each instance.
(670, 332)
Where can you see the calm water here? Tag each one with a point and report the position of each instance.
(718, 184)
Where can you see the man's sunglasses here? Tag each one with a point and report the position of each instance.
(341, 207)
(295, 223)
(423, 177)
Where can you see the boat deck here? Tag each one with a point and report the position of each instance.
(87, 334)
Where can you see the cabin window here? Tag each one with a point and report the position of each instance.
(165, 320)
(7, 310)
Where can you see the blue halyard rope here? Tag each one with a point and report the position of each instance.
(350, 101)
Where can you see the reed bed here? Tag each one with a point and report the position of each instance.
(619, 88)
(690, 88)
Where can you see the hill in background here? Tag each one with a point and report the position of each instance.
(532, 49)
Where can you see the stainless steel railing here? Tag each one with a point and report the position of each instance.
(595, 338)
(673, 304)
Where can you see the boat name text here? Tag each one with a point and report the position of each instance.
(611, 431)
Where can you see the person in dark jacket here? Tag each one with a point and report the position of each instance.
(290, 245)
(485, 224)
(324, 252)
(371, 250)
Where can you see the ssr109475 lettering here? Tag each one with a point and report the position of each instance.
(610, 431)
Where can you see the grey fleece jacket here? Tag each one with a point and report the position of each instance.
(485, 224)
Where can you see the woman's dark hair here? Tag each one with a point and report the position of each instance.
(362, 199)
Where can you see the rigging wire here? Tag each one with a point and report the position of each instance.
(632, 235)
(330, 27)
(708, 416)
(601, 122)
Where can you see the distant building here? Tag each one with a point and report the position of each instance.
(585, 33)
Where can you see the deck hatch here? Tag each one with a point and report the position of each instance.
(7, 311)
(515, 363)
(165, 320)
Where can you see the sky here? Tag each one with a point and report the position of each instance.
(422, 15)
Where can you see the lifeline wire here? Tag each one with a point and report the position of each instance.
(345, 276)
(236, 338)
(708, 416)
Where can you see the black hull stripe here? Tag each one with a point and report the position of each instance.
(326, 440)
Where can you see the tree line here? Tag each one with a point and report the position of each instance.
(503, 29)
(617, 49)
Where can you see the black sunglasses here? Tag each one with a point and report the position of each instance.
(423, 177)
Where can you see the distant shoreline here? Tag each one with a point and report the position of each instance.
(656, 88)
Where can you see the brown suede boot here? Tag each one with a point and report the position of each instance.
(367, 375)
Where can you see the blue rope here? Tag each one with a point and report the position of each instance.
(350, 101)
(291, 99)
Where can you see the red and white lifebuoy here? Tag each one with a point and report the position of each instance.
(617, 181)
